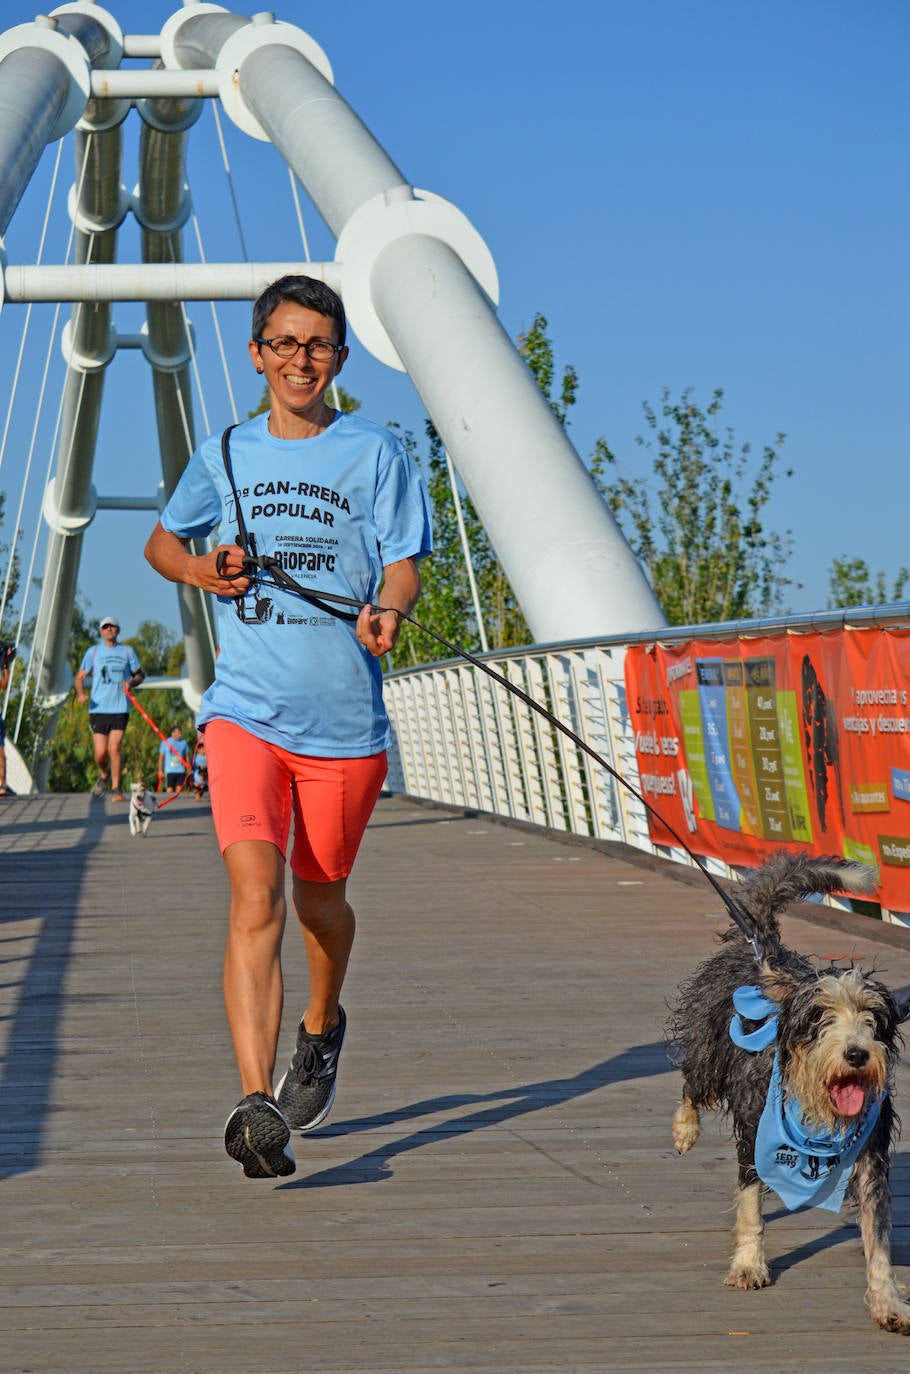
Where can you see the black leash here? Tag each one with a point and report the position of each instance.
(255, 563)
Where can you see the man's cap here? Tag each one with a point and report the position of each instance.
(109, 620)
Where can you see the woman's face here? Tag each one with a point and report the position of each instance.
(298, 385)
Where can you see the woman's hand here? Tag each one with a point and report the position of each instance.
(171, 557)
(230, 580)
(378, 630)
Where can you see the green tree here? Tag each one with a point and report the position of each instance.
(850, 583)
(695, 520)
(9, 567)
(26, 721)
(28, 718)
(446, 602)
(537, 350)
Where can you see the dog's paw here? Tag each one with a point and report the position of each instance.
(686, 1127)
(748, 1276)
(888, 1311)
(895, 1319)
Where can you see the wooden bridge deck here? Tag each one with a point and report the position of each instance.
(496, 1188)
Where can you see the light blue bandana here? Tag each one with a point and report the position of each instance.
(804, 1170)
(750, 1001)
(807, 1170)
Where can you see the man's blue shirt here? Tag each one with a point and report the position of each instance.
(109, 666)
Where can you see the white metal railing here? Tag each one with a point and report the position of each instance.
(461, 739)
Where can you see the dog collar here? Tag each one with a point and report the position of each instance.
(750, 1002)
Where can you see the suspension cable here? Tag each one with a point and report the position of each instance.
(181, 403)
(466, 550)
(230, 180)
(199, 387)
(336, 398)
(36, 540)
(221, 350)
(300, 224)
(31, 450)
(28, 313)
(30, 670)
(24, 485)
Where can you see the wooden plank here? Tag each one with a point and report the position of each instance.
(496, 1189)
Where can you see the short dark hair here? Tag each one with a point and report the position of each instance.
(305, 291)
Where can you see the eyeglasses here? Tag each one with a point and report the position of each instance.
(286, 346)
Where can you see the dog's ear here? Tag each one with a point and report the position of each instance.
(777, 983)
(900, 1000)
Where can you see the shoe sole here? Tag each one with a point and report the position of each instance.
(317, 1120)
(257, 1138)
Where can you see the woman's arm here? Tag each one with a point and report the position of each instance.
(400, 592)
(171, 557)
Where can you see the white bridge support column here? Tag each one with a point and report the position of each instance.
(417, 284)
(45, 85)
(97, 205)
(45, 81)
(569, 566)
(162, 207)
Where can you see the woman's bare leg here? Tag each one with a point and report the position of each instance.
(253, 988)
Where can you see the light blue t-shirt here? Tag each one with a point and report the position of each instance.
(109, 666)
(170, 760)
(335, 510)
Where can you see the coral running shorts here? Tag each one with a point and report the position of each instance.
(256, 786)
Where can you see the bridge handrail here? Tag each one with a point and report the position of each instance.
(460, 739)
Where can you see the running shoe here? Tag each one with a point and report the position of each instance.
(100, 786)
(118, 796)
(307, 1091)
(256, 1135)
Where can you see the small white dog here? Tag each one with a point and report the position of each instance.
(142, 804)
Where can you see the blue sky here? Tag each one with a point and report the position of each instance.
(695, 195)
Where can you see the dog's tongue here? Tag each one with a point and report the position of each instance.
(848, 1097)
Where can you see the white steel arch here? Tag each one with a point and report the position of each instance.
(418, 282)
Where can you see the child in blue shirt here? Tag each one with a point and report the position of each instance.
(171, 752)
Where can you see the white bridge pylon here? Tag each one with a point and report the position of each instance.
(418, 283)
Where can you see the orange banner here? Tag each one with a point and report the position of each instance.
(801, 741)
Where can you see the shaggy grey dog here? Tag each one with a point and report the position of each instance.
(802, 1060)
